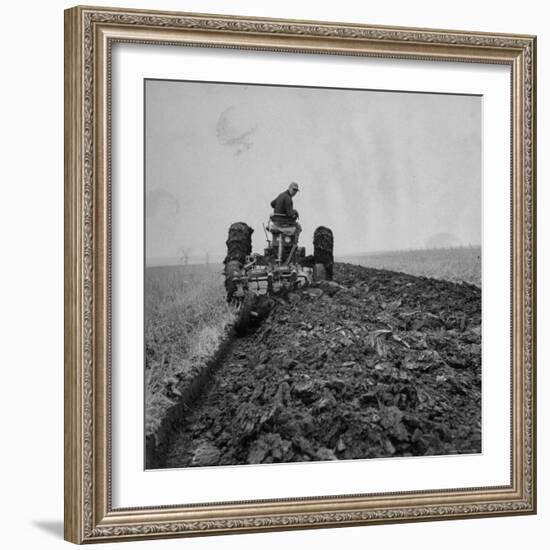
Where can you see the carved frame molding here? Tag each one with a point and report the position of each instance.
(89, 35)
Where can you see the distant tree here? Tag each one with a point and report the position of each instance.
(184, 253)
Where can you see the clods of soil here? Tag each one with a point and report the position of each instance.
(373, 364)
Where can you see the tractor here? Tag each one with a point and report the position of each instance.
(252, 279)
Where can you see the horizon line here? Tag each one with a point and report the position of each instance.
(170, 261)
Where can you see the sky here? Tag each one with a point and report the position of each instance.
(383, 170)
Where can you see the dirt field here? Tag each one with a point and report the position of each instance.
(450, 264)
(378, 364)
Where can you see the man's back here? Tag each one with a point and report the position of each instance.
(284, 214)
(282, 205)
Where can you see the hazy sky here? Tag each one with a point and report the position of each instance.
(384, 170)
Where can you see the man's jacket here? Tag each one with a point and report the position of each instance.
(282, 206)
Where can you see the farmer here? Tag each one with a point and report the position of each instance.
(284, 214)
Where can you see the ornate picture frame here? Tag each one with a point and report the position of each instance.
(90, 34)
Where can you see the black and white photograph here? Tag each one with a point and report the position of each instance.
(312, 274)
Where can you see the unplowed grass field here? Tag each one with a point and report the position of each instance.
(185, 318)
(458, 264)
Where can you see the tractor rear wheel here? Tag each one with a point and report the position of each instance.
(232, 270)
(239, 246)
(323, 248)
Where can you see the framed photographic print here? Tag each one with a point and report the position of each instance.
(299, 274)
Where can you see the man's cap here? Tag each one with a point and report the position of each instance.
(294, 185)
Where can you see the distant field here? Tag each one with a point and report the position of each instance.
(185, 317)
(451, 264)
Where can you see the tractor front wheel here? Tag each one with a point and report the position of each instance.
(245, 313)
(319, 273)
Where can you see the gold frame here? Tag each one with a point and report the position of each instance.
(89, 34)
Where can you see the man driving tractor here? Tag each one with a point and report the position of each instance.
(284, 214)
(282, 268)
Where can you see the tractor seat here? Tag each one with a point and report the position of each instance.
(276, 229)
